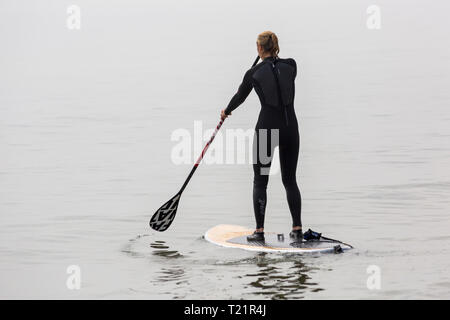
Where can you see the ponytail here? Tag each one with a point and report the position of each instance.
(269, 42)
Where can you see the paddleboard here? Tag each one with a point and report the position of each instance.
(232, 236)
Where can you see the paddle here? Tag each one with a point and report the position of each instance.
(164, 216)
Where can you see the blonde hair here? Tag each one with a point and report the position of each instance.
(269, 42)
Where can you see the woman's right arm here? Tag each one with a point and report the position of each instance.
(244, 90)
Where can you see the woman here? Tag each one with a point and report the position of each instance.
(273, 80)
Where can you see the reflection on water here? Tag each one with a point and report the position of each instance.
(281, 282)
(171, 273)
(274, 276)
(133, 248)
(175, 273)
(162, 250)
(258, 275)
(168, 273)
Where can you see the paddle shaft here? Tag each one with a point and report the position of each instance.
(206, 146)
(201, 157)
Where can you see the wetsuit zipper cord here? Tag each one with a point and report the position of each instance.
(279, 93)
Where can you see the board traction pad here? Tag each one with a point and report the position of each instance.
(234, 236)
(272, 241)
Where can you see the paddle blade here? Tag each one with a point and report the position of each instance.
(164, 216)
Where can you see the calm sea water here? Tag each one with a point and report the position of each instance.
(86, 118)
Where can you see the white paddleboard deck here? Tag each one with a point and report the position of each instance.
(232, 236)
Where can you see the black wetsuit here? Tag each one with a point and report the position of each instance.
(273, 80)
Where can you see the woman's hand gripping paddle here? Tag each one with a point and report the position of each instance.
(164, 216)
